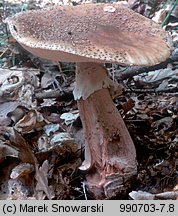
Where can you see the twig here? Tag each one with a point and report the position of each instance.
(48, 95)
(134, 120)
(129, 72)
(4, 52)
(167, 90)
(53, 94)
(84, 190)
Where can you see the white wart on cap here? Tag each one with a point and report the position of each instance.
(91, 33)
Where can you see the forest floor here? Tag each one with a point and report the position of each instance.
(39, 117)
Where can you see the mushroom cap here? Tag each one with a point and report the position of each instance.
(91, 33)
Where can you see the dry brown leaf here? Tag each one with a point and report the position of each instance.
(157, 75)
(48, 79)
(7, 151)
(128, 105)
(32, 120)
(17, 190)
(13, 83)
(63, 177)
(42, 180)
(22, 169)
(164, 124)
(17, 114)
(26, 154)
(6, 108)
(61, 137)
(10, 82)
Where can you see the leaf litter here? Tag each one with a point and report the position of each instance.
(41, 137)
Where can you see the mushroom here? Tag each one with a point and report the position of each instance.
(91, 35)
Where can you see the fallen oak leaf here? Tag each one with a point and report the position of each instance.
(32, 120)
(7, 151)
(42, 180)
(26, 154)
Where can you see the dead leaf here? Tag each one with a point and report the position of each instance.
(17, 190)
(10, 82)
(7, 151)
(61, 138)
(141, 195)
(49, 78)
(17, 114)
(25, 96)
(42, 180)
(64, 176)
(5, 109)
(22, 169)
(43, 143)
(26, 154)
(169, 195)
(51, 128)
(70, 117)
(48, 102)
(128, 105)
(157, 75)
(31, 120)
(164, 124)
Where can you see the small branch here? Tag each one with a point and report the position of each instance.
(136, 70)
(53, 94)
(48, 95)
(167, 90)
(84, 190)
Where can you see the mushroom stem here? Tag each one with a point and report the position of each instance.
(110, 156)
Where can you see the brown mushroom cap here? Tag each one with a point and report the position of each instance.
(91, 33)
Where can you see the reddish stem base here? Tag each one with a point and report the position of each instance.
(110, 156)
